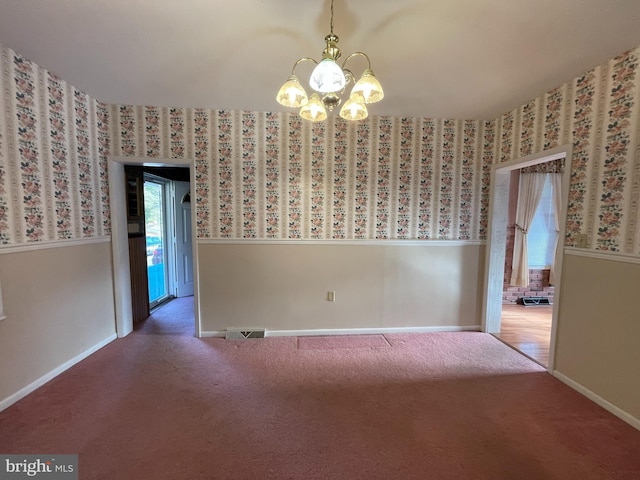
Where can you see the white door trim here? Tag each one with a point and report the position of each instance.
(496, 243)
(120, 242)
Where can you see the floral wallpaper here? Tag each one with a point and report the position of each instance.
(274, 176)
(270, 175)
(597, 113)
(53, 154)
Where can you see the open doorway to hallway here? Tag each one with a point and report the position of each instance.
(119, 193)
(532, 238)
(168, 229)
(527, 332)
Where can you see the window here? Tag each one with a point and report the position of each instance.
(542, 236)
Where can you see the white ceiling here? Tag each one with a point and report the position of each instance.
(471, 59)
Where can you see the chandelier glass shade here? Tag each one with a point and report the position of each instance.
(292, 94)
(327, 77)
(328, 82)
(314, 109)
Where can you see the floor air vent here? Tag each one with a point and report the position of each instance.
(535, 301)
(239, 334)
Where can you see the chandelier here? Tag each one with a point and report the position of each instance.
(329, 80)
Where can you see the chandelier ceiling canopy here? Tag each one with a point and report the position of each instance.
(328, 82)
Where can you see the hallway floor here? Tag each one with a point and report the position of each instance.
(527, 329)
(175, 317)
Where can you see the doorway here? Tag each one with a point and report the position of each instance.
(167, 207)
(119, 234)
(496, 248)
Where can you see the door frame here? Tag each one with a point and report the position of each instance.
(496, 243)
(120, 242)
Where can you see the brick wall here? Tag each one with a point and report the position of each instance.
(538, 279)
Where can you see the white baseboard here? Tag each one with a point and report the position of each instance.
(610, 407)
(352, 331)
(10, 400)
(212, 333)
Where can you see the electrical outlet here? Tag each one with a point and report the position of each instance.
(331, 296)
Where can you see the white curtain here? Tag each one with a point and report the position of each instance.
(556, 192)
(529, 193)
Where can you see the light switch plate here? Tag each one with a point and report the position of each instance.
(582, 240)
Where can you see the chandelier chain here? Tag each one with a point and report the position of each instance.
(331, 17)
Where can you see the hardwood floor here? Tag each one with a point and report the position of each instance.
(527, 329)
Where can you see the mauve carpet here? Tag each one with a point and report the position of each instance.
(161, 405)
